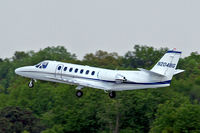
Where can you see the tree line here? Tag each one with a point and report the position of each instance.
(54, 108)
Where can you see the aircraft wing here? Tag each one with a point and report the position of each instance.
(81, 82)
(62, 80)
(91, 84)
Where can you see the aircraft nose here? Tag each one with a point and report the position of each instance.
(25, 71)
(18, 70)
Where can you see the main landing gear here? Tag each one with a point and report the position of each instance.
(112, 94)
(79, 93)
(31, 84)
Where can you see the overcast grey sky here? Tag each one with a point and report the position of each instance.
(85, 26)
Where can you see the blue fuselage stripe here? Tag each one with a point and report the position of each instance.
(128, 82)
(174, 52)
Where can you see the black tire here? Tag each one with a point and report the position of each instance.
(31, 84)
(112, 94)
(79, 93)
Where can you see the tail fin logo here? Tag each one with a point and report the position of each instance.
(165, 64)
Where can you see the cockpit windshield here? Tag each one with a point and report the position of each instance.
(42, 65)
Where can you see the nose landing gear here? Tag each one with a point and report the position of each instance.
(31, 84)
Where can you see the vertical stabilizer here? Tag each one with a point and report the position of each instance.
(167, 64)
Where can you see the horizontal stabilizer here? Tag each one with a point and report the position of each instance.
(151, 72)
(177, 71)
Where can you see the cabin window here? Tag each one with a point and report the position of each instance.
(81, 71)
(93, 72)
(87, 72)
(44, 64)
(38, 65)
(59, 67)
(70, 70)
(65, 69)
(76, 70)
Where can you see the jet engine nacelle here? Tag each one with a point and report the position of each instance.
(111, 76)
(120, 78)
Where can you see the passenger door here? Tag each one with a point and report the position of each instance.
(59, 70)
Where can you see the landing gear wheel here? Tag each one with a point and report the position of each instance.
(79, 93)
(31, 84)
(112, 94)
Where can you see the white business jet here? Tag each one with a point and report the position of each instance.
(108, 80)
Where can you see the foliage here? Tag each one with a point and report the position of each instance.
(142, 56)
(103, 59)
(54, 108)
(176, 117)
(15, 119)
